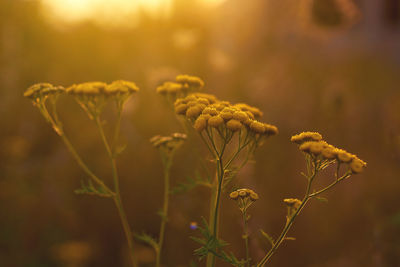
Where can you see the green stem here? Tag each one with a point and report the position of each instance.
(164, 218)
(210, 137)
(56, 124)
(213, 200)
(235, 155)
(117, 128)
(127, 229)
(330, 186)
(246, 237)
(217, 202)
(84, 167)
(214, 227)
(117, 196)
(283, 234)
(290, 222)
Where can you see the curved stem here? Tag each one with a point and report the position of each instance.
(330, 186)
(117, 196)
(57, 126)
(164, 218)
(235, 155)
(290, 222)
(84, 167)
(283, 234)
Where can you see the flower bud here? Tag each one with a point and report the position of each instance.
(200, 124)
(215, 121)
(257, 127)
(234, 125)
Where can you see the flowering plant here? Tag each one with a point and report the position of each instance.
(230, 132)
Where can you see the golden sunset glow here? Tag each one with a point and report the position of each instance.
(116, 12)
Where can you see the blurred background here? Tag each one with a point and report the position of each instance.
(331, 66)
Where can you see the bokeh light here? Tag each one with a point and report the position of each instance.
(330, 66)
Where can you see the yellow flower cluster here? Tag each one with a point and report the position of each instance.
(42, 90)
(312, 143)
(207, 111)
(292, 202)
(190, 81)
(244, 198)
(92, 96)
(292, 205)
(244, 193)
(184, 84)
(168, 143)
(116, 88)
(306, 136)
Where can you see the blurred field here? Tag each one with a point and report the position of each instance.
(331, 66)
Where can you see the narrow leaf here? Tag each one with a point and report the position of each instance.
(322, 199)
(147, 239)
(268, 237)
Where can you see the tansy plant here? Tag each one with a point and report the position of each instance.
(92, 97)
(318, 155)
(230, 132)
(167, 145)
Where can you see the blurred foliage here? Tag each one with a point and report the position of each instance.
(332, 69)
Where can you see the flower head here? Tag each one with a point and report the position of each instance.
(292, 205)
(42, 90)
(207, 113)
(306, 136)
(168, 144)
(87, 89)
(234, 125)
(244, 197)
(190, 82)
(357, 165)
(171, 88)
(249, 109)
(93, 96)
(312, 144)
(184, 85)
(121, 87)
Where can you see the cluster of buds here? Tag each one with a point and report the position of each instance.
(41, 91)
(244, 197)
(92, 96)
(168, 144)
(183, 85)
(312, 144)
(292, 205)
(117, 88)
(207, 112)
(39, 94)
